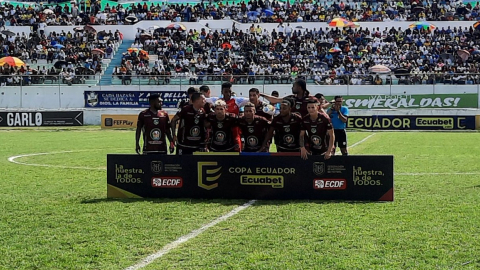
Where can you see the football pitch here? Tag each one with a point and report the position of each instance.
(55, 214)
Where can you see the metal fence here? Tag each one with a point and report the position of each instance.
(183, 79)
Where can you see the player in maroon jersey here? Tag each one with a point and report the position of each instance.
(316, 129)
(188, 101)
(155, 125)
(254, 129)
(191, 135)
(205, 90)
(261, 108)
(300, 96)
(222, 125)
(286, 126)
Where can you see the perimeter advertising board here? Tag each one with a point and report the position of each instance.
(411, 122)
(131, 99)
(452, 101)
(41, 118)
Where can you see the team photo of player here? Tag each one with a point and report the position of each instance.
(214, 124)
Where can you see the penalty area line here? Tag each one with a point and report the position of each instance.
(182, 239)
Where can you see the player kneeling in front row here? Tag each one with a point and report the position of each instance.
(315, 127)
(155, 125)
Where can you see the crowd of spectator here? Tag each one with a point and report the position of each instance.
(68, 57)
(416, 56)
(92, 12)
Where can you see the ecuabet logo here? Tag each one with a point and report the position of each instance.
(167, 182)
(318, 168)
(329, 184)
(207, 175)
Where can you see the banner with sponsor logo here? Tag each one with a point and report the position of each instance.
(111, 121)
(247, 176)
(41, 119)
(410, 101)
(477, 121)
(131, 99)
(410, 122)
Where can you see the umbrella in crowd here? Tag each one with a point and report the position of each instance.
(8, 33)
(226, 46)
(353, 25)
(422, 25)
(131, 50)
(58, 46)
(48, 11)
(11, 61)
(418, 9)
(60, 64)
(477, 25)
(97, 51)
(379, 69)
(338, 22)
(268, 12)
(131, 19)
(153, 28)
(89, 28)
(177, 26)
(464, 54)
(335, 50)
(399, 72)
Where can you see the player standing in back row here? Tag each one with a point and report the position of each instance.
(300, 96)
(191, 131)
(155, 125)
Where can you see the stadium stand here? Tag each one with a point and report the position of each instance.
(79, 56)
(109, 12)
(322, 56)
(176, 55)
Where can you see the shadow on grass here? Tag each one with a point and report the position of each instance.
(277, 202)
(227, 202)
(164, 200)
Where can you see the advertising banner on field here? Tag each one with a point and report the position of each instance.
(41, 119)
(477, 118)
(242, 176)
(410, 122)
(131, 99)
(410, 101)
(112, 121)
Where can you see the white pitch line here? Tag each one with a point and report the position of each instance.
(364, 139)
(182, 239)
(13, 160)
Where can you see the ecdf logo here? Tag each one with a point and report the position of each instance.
(329, 184)
(210, 174)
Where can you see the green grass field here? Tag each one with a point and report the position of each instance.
(58, 218)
